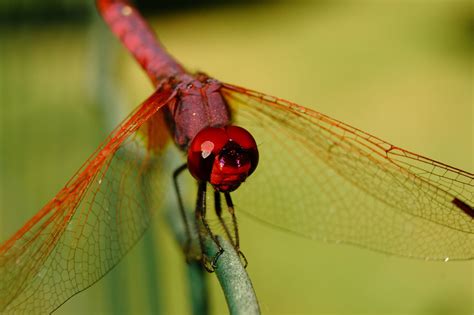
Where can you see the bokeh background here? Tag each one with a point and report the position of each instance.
(401, 70)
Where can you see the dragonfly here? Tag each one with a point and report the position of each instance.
(281, 163)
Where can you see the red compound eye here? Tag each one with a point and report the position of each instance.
(225, 157)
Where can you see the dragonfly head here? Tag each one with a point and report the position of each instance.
(224, 157)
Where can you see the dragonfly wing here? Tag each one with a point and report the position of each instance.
(324, 179)
(91, 223)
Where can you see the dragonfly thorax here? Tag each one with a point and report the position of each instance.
(198, 105)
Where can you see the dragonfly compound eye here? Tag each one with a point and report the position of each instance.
(225, 157)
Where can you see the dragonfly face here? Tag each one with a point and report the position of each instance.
(225, 157)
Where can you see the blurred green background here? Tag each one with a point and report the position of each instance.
(401, 70)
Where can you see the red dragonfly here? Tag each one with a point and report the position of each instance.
(318, 177)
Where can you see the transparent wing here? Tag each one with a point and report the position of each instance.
(323, 179)
(91, 223)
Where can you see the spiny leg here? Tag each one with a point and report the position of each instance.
(230, 208)
(201, 216)
(187, 242)
(218, 209)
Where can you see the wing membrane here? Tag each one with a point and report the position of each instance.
(90, 224)
(324, 179)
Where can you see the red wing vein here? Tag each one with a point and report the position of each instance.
(349, 186)
(67, 246)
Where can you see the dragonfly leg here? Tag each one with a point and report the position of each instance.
(218, 209)
(187, 242)
(201, 217)
(230, 208)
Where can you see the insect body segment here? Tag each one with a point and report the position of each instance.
(199, 104)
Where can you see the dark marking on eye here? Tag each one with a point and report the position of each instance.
(464, 207)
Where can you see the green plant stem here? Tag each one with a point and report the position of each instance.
(198, 289)
(109, 110)
(232, 276)
(197, 284)
(101, 55)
